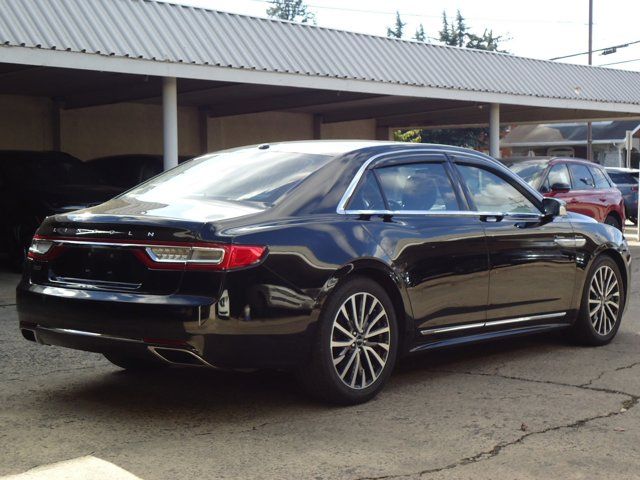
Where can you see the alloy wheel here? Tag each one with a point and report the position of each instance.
(360, 340)
(604, 300)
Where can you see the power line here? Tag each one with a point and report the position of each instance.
(622, 45)
(618, 63)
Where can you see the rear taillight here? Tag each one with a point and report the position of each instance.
(160, 255)
(199, 257)
(42, 249)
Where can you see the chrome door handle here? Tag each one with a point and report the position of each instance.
(570, 242)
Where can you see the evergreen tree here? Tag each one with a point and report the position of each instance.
(292, 10)
(397, 31)
(420, 36)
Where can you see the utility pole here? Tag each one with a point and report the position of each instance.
(589, 125)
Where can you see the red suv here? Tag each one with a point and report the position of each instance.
(584, 185)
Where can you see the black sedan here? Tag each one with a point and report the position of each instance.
(331, 259)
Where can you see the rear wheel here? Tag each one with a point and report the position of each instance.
(602, 304)
(134, 362)
(613, 221)
(356, 345)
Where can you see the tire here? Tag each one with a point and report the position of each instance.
(613, 221)
(134, 362)
(598, 320)
(364, 364)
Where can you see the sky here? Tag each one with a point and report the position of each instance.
(535, 28)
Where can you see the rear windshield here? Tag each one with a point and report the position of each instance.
(244, 175)
(621, 178)
(530, 171)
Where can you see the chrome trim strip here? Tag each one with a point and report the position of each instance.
(524, 319)
(356, 178)
(580, 242)
(83, 333)
(111, 244)
(433, 331)
(437, 213)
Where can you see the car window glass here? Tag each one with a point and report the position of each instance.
(367, 196)
(492, 193)
(599, 178)
(620, 178)
(417, 186)
(582, 179)
(558, 174)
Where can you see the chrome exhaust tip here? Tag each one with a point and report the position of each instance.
(179, 356)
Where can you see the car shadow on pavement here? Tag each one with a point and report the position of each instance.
(187, 392)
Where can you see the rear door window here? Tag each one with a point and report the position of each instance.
(367, 195)
(581, 178)
(417, 187)
(599, 178)
(622, 178)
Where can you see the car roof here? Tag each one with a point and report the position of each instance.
(551, 159)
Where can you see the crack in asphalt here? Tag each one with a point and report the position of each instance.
(626, 405)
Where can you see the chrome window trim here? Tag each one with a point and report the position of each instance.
(440, 213)
(344, 200)
(493, 323)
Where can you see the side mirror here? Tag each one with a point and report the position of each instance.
(560, 187)
(554, 207)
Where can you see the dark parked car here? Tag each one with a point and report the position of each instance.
(583, 185)
(34, 185)
(328, 258)
(626, 180)
(127, 171)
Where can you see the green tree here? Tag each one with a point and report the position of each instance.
(420, 36)
(397, 31)
(292, 10)
(455, 32)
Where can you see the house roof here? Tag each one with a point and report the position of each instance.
(568, 133)
(174, 39)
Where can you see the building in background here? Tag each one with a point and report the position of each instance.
(570, 140)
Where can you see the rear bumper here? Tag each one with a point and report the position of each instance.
(105, 322)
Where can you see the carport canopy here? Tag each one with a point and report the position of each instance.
(84, 53)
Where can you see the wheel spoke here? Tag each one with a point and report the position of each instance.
(356, 369)
(344, 330)
(374, 321)
(369, 364)
(375, 333)
(341, 343)
(349, 362)
(375, 355)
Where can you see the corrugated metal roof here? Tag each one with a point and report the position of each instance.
(164, 32)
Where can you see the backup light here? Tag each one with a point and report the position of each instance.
(41, 248)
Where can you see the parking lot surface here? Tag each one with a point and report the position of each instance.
(529, 408)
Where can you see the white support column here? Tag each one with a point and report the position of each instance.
(170, 122)
(494, 130)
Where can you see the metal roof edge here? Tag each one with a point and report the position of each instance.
(110, 63)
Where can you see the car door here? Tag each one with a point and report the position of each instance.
(606, 195)
(584, 195)
(532, 258)
(436, 247)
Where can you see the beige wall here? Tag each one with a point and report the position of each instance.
(357, 129)
(124, 128)
(237, 130)
(25, 123)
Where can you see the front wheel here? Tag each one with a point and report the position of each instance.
(602, 304)
(356, 345)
